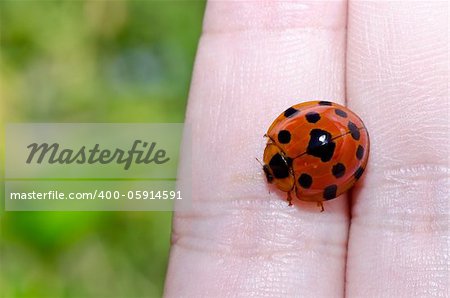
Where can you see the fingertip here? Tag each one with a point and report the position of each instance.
(230, 16)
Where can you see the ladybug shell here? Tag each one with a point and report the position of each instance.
(318, 149)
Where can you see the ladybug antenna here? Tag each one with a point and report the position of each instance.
(259, 162)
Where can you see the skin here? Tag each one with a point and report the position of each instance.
(387, 61)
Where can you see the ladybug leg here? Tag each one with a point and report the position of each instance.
(320, 204)
(289, 198)
(272, 140)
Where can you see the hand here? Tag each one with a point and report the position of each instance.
(389, 236)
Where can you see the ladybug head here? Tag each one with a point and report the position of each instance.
(278, 167)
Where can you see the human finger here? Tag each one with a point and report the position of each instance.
(255, 60)
(397, 80)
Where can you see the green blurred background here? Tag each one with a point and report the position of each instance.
(91, 61)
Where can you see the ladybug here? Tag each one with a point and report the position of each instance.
(317, 150)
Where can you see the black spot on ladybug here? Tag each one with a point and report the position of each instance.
(359, 172)
(284, 137)
(353, 130)
(338, 170)
(341, 113)
(324, 103)
(312, 117)
(360, 152)
(288, 161)
(305, 180)
(290, 112)
(330, 192)
(320, 145)
(279, 166)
